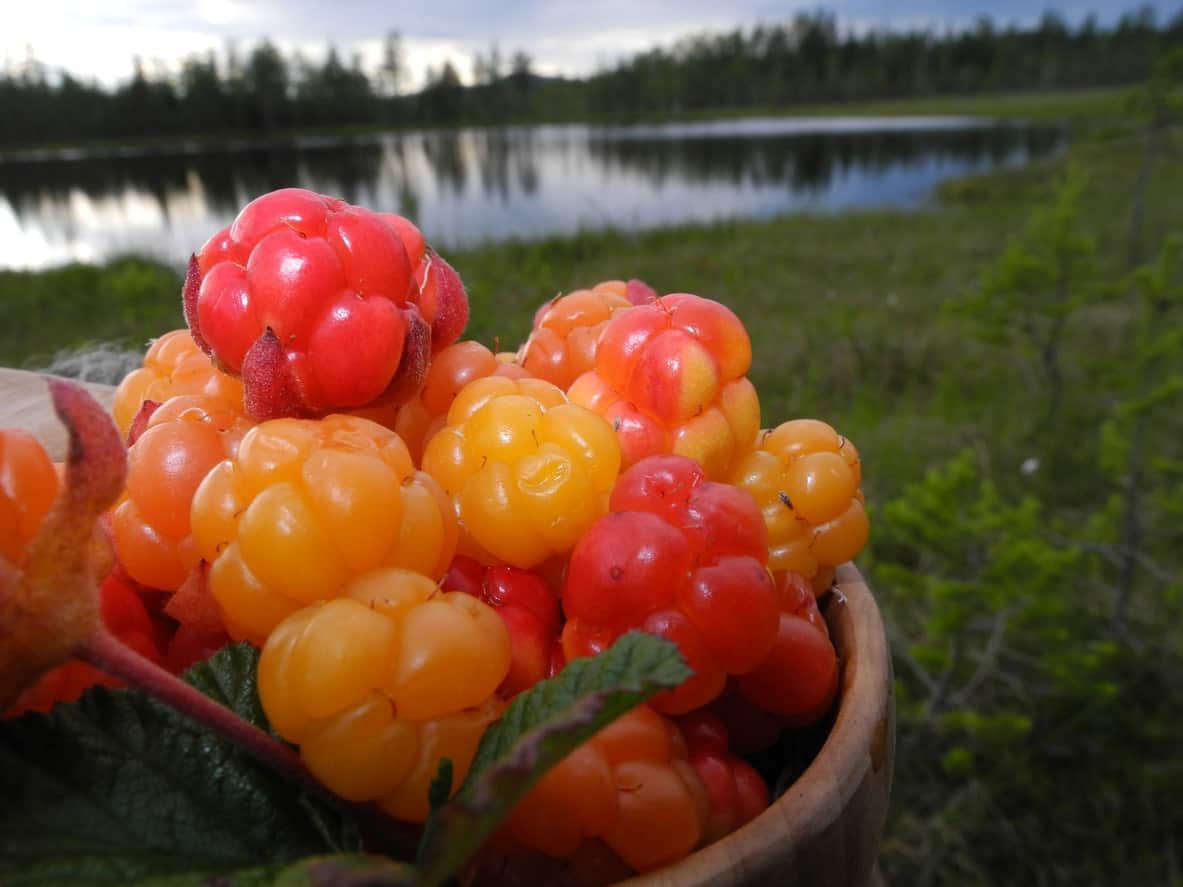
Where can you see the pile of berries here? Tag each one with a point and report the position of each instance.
(414, 529)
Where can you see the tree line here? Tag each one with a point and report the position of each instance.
(807, 59)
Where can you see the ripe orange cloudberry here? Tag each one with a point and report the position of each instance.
(304, 506)
(805, 477)
(529, 471)
(379, 684)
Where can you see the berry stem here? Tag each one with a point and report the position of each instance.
(105, 651)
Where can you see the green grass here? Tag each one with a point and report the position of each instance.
(1085, 106)
(123, 303)
(1060, 104)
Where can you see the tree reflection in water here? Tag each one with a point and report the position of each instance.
(470, 185)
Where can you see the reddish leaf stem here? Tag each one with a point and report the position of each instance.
(105, 651)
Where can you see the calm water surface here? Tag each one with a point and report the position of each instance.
(477, 185)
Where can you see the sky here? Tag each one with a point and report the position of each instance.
(97, 39)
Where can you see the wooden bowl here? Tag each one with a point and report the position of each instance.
(825, 830)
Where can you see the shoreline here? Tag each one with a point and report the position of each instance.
(1064, 106)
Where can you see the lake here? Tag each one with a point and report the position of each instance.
(475, 185)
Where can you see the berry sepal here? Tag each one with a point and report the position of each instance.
(49, 598)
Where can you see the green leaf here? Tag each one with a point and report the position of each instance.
(229, 678)
(441, 787)
(118, 788)
(540, 728)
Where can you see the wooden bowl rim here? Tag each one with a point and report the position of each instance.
(859, 743)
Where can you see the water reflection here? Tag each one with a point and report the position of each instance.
(811, 162)
(472, 185)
